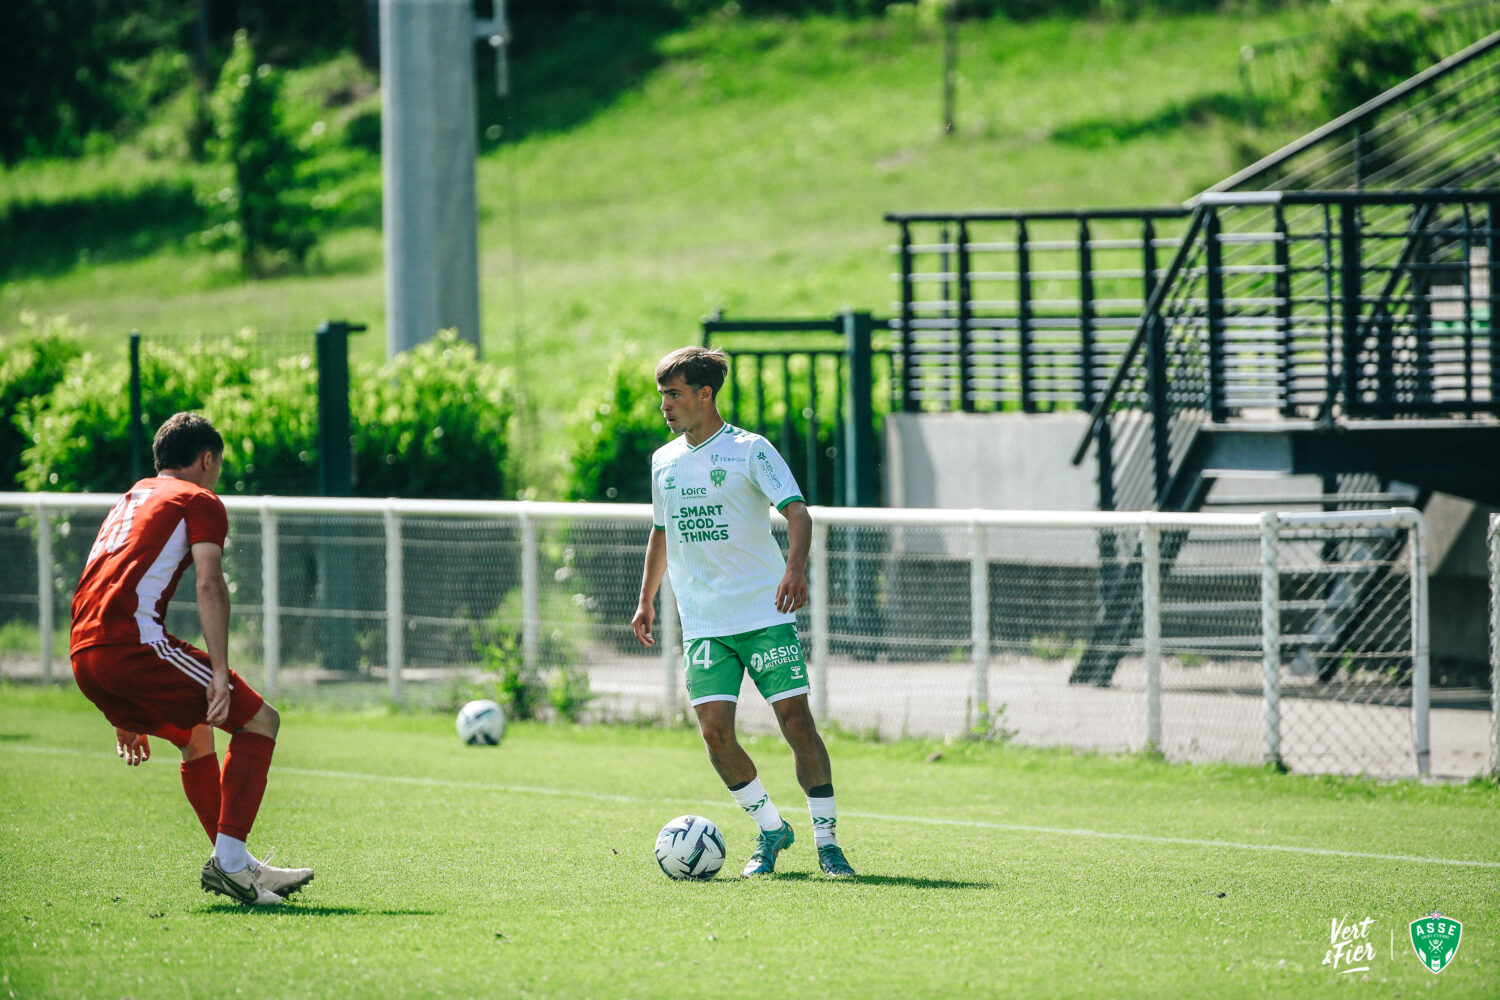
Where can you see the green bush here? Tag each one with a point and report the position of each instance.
(1364, 54)
(615, 436)
(260, 212)
(270, 427)
(432, 422)
(32, 362)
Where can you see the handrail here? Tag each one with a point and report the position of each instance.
(1043, 215)
(1152, 307)
(1370, 107)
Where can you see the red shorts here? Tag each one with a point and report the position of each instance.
(161, 690)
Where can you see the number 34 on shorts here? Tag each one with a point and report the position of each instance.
(715, 666)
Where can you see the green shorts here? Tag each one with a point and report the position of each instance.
(716, 666)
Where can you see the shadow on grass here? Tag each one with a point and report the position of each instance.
(901, 880)
(568, 68)
(1108, 131)
(50, 238)
(315, 910)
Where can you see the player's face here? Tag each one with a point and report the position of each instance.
(686, 410)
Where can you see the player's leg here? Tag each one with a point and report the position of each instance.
(815, 775)
(714, 675)
(200, 774)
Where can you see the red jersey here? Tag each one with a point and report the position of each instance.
(142, 549)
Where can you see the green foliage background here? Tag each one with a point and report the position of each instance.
(659, 159)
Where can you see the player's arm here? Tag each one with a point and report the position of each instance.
(213, 613)
(791, 593)
(656, 565)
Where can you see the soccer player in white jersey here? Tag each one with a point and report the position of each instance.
(712, 488)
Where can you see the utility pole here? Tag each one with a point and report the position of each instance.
(950, 63)
(428, 146)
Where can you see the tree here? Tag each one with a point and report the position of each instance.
(261, 214)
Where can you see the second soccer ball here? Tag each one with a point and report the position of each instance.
(481, 723)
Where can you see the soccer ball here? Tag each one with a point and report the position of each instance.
(690, 847)
(481, 723)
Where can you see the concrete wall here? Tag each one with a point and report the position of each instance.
(1004, 461)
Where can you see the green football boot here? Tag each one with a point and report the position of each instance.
(831, 859)
(769, 844)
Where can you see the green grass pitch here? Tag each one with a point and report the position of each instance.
(526, 871)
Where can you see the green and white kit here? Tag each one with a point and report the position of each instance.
(716, 666)
(713, 501)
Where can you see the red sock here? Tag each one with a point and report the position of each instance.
(244, 782)
(200, 780)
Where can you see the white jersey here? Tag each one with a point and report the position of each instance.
(714, 501)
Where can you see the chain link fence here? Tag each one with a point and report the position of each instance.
(1294, 639)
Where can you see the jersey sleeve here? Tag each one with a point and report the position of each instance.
(773, 475)
(207, 520)
(658, 502)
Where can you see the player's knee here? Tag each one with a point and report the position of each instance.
(717, 736)
(266, 722)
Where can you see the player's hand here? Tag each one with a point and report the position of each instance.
(133, 748)
(791, 593)
(218, 698)
(641, 624)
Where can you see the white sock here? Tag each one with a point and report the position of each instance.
(824, 821)
(232, 855)
(753, 799)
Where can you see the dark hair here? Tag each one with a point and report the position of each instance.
(697, 366)
(182, 439)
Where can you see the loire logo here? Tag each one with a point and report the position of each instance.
(718, 476)
(1435, 938)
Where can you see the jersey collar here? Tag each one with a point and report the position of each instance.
(716, 435)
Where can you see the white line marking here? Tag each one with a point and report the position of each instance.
(1055, 831)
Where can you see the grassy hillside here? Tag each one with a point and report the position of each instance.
(746, 169)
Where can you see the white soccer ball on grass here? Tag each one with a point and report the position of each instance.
(481, 723)
(690, 847)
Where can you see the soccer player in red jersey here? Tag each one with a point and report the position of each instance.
(147, 682)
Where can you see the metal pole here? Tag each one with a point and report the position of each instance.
(270, 591)
(1270, 625)
(979, 625)
(45, 612)
(428, 147)
(1421, 667)
(817, 570)
(137, 452)
(1494, 645)
(1151, 631)
(531, 624)
(395, 609)
(860, 487)
(950, 64)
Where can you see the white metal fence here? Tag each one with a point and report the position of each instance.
(1292, 638)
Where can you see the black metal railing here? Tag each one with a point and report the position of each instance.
(1026, 311)
(1326, 306)
(817, 389)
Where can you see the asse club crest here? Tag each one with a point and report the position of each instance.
(718, 476)
(1435, 937)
